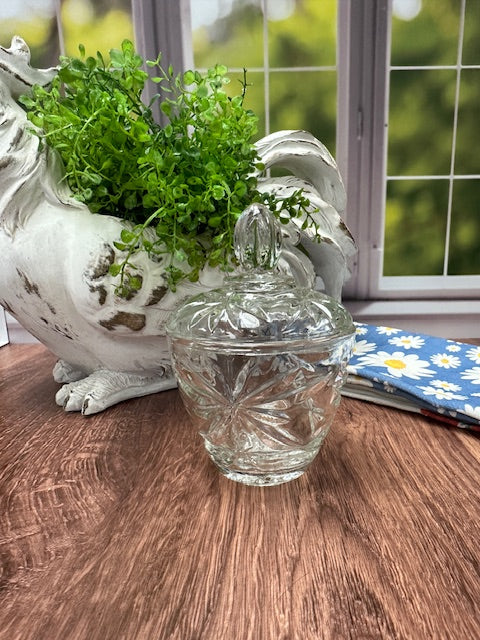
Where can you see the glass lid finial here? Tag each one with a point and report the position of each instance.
(257, 239)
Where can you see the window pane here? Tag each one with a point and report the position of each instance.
(415, 227)
(99, 25)
(302, 34)
(34, 21)
(425, 32)
(471, 39)
(229, 32)
(299, 33)
(295, 103)
(467, 156)
(464, 256)
(420, 122)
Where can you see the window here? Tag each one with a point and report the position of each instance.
(431, 243)
(406, 124)
(390, 86)
(401, 76)
(433, 170)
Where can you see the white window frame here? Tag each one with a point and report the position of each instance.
(361, 136)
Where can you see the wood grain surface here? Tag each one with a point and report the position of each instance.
(117, 526)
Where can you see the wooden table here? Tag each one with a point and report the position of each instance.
(117, 526)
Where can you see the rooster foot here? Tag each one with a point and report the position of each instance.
(65, 372)
(104, 388)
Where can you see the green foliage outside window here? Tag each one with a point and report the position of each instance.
(421, 115)
(421, 125)
(97, 24)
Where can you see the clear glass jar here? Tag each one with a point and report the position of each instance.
(260, 362)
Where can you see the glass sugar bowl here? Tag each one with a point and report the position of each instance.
(261, 361)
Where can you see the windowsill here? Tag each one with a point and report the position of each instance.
(445, 318)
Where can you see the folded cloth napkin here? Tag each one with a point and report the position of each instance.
(416, 372)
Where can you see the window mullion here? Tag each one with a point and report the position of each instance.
(163, 26)
(266, 67)
(58, 17)
(363, 46)
(454, 138)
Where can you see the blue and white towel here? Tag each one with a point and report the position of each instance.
(416, 372)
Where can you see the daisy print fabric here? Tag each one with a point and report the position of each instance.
(434, 376)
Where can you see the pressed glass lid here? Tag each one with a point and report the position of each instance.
(258, 305)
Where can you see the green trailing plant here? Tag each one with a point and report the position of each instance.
(180, 186)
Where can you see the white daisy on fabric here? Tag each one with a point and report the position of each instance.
(361, 330)
(398, 364)
(444, 384)
(387, 331)
(389, 388)
(362, 346)
(407, 342)
(474, 354)
(453, 347)
(473, 412)
(445, 360)
(441, 394)
(472, 374)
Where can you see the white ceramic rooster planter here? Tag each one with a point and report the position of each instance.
(55, 256)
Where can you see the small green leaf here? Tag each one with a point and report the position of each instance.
(240, 188)
(180, 255)
(166, 108)
(127, 46)
(135, 282)
(188, 77)
(37, 120)
(127, 236)
(218, 192)
(215, 222)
